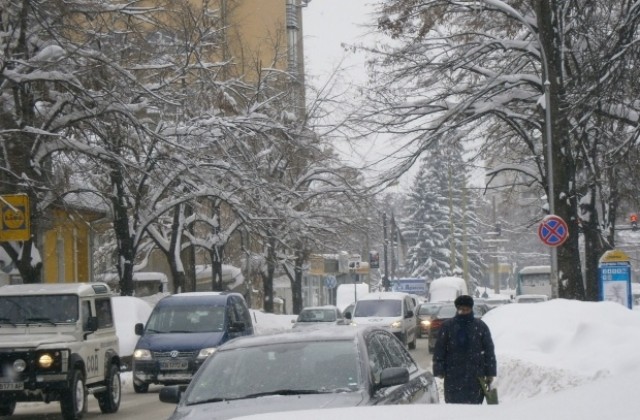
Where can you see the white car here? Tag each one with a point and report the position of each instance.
(531, 298)
(394, 311)
(317, 316)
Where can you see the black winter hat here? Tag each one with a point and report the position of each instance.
(464, 300)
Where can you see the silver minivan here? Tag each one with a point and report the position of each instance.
(394, 311)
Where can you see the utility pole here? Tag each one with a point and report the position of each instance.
(496, 277)
(385, 279)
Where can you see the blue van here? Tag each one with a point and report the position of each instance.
(182, 331)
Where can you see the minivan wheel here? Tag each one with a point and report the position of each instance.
(7, 409)
(140, 388)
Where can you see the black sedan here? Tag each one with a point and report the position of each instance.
(310, 369)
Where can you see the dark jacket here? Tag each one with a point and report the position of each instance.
(464, 352)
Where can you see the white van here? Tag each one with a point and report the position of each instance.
(447, 289)
(394, 311)
(347, 294)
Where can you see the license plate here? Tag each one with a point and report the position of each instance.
(11, 386)
(174, 364)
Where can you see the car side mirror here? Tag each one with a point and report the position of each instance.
(91, 327)
(347, 315)
(139, 329)
(393, 376)
(92, 324)
(170, 394)
(409, 314)
(237, 326)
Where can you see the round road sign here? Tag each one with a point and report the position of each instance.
(553, 231)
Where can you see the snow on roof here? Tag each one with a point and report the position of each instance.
(536, 269)
(447, 282)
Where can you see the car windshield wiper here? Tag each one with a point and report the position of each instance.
(40, 319)
(210, 400)
(260, 394)
(284, 392)
(179, 331)
(8, 321)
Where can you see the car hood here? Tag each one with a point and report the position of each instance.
(268, 404)
(180, 341)
(34, 340)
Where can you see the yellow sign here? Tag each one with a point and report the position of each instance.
(15, 224)
(615, 255)
(316, 265)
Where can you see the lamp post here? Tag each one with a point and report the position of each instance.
(548, 129)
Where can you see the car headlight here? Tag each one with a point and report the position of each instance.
(396, 324)
(204, 353)
(425, 323)
(142, 354)
(45, 361)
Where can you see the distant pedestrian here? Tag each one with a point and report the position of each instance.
(464, 353)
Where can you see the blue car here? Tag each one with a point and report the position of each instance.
(182, 331)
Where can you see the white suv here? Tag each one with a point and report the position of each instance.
(58, 342)
(394, 311)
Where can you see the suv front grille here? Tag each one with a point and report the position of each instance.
(167, 355)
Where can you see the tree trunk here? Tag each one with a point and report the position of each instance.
(594, 247)
(124, 238)
(267, 278)
(570, 285)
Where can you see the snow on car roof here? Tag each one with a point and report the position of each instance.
(81, 289)
(384, 295)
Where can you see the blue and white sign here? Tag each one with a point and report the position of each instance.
(615, 283)
(330, 282)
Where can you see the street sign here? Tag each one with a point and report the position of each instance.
(316, 265)
(15, 223)
(553, 231)
(330, 282)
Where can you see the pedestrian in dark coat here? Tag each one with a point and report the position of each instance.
(463, 353)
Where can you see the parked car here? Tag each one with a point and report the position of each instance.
(182, 331)
(494, 302)
(425, 313)
(310, 369)
(531, 298)
(318, 316)
(447, 311)
(391, 310)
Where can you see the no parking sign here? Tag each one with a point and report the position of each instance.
(553, 230)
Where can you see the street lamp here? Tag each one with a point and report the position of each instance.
(547, 117)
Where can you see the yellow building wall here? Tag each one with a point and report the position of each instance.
(65, 250)
(257, 34)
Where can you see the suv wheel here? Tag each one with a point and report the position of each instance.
(140, 388)
(73, 401)
(109, 401)
(7, 409)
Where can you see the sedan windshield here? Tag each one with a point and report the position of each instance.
(280, 368)
(186, 319)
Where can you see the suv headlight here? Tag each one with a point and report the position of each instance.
(396, 324)
(426, 322)
(142, 354)
(204, 353)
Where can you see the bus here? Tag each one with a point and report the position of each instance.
(534, 280)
